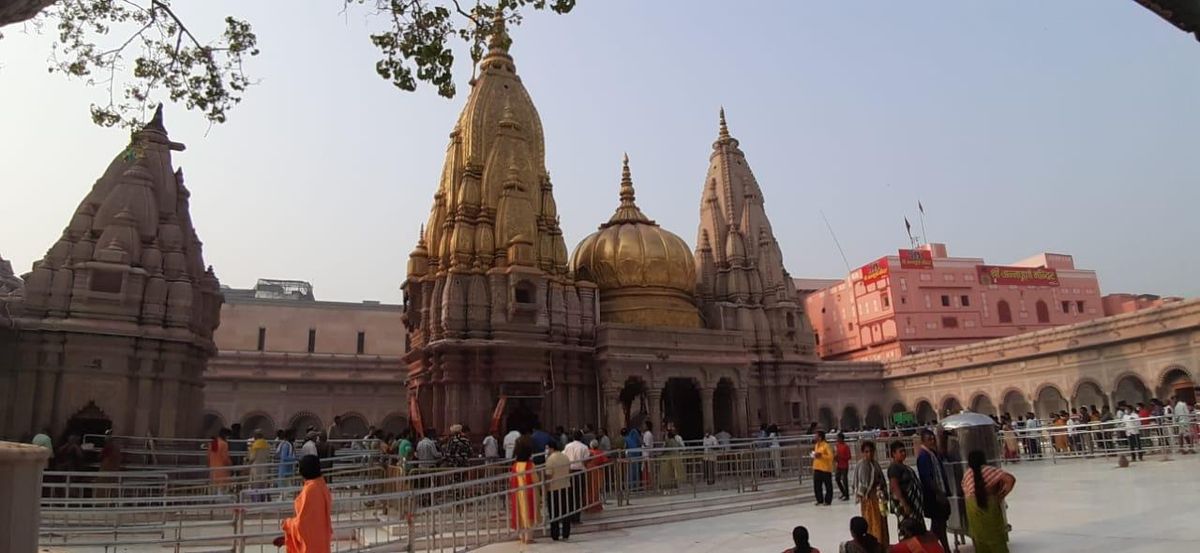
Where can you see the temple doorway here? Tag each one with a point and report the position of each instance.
(723, 408)
(681, 405)
(633, 402)
(522, 413)
(90, 420)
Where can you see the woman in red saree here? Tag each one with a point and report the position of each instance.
(218, 460)
(523, 493)
(596, 467)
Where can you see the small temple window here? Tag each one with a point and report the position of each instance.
(791, 320)
(312, 340)
(523, 292)
(362, 342)
(262, 338)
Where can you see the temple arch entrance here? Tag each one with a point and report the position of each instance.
(1131, 390)
(1178, 383)
(302, 421)
(258, 421)
(681, 406)
(1050, 401)
(925, 412)
(394, 423)
(354, 425)
(1087, 394)
(850, 420)
(874, 417)
(1015, 405)
(723, 406)
(951, 406)
(211, 424)
(88, 420)
(982, 404)
(522, 413)
(825, 418)
(633, 402)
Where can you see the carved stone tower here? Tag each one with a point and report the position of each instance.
(115, 326)
(743, 285)
(491, 308)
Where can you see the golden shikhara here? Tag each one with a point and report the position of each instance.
(493, 205)
(646, 274)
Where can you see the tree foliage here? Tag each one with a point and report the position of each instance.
(137, 52)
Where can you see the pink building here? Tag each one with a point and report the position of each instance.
(1116, 304)
(921, 300)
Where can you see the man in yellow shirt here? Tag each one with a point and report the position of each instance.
(822, 456)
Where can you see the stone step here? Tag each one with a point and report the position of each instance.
(699, 509)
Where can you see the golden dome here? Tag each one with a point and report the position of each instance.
(646, 274)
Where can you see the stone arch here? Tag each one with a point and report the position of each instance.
(211, 424)
(1014, 403)
(925, 412)
(89, 419)
(874, 418)
(683, 407)
(850, 419)
(1049, 400)
(899, 407)
(981, 403)
(1131, 389)
(395, 422)
(825, 417)
(1087, 393)
(258, 420)
(634, 401)
(951, 406)
(301, 421)
(725, 405)
(355, 425)
(1175, 380)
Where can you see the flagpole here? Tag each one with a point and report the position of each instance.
(924, 234)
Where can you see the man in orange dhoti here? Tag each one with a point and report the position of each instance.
(218, 459)
(311, 530)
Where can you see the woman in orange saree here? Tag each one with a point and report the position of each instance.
(523, 493)
(596, 467)
(218, 460)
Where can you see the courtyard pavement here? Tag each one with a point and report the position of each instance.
(1073, 506)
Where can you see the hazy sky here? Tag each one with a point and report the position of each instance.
(1025, 126)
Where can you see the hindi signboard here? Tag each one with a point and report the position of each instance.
(874, 271)
(1017, 276)
(916, 259)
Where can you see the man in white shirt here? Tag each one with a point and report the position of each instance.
(711, 444)
(648, 437)
(510, 442)
(310, 445)
(1183, 425)
(576, 451)
(427, 450)
(1133, 431)
(491, 449)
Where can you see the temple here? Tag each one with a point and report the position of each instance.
(115, 323)
(505, 332)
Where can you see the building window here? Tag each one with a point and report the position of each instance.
(945, 301)
(362, 342)
(312, 340)
(966, 300)
(1079, 306)
(1066, 307)
(1043, 312)
(849, 326)
(969, 323)
(928, 303)
(1004, 312)
(903, 300)
(930, 325)
(948, 277)
(886, 302)
(817, 338)
(262, 338)
(949, 322)
(795, 410)
(925, 277)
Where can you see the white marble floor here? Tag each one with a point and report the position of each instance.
(1074, 506)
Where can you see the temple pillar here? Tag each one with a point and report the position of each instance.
(612, 409)
(20, 493)
(654, 398)
(740, 416)
(706, 406)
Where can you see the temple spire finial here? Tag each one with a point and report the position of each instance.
(498, 40)
(724, 128)
(628, 211)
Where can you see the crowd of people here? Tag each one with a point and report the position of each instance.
(919, 497)
(1088, 429)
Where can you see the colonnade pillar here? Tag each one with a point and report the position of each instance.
(706, 406)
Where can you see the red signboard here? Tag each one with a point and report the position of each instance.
(916, 259)
(874, 271)
(1017, 276)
